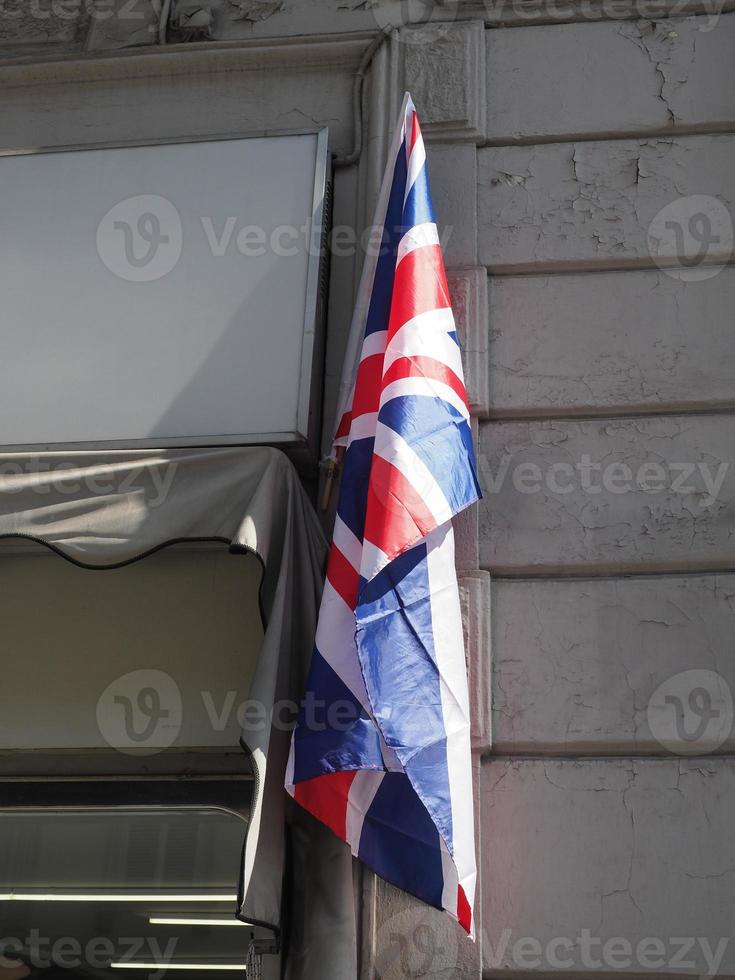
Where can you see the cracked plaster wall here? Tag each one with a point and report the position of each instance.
(590, 204)
(598, 358)
(587, 79)
(639, 848)
(568, 684)
(567, 496)
(640, 340)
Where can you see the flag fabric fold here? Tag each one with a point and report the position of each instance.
(381, 751)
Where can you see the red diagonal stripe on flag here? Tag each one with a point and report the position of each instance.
(367, 386)
(420, 286)
(342, 576)
(396, 513)
(419, 366)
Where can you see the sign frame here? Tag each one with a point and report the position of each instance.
(303, 443)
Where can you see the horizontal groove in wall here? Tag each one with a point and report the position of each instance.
(699, 129)
(597, 974)
(537, 756)
(571, 267)
(585, 573)
(612, 270)
(631, 412)
(596, 754)
(681, 573)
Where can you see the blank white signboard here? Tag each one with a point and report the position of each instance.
(160, 295)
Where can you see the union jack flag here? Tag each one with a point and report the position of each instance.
(382, 756)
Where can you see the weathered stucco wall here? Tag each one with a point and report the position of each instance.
(582, 162)
(604, 842)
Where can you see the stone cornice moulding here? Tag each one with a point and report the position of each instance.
(445, 73)
(327, 52)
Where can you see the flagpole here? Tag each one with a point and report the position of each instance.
(329, 481)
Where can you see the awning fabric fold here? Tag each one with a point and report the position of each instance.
(106, 508)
